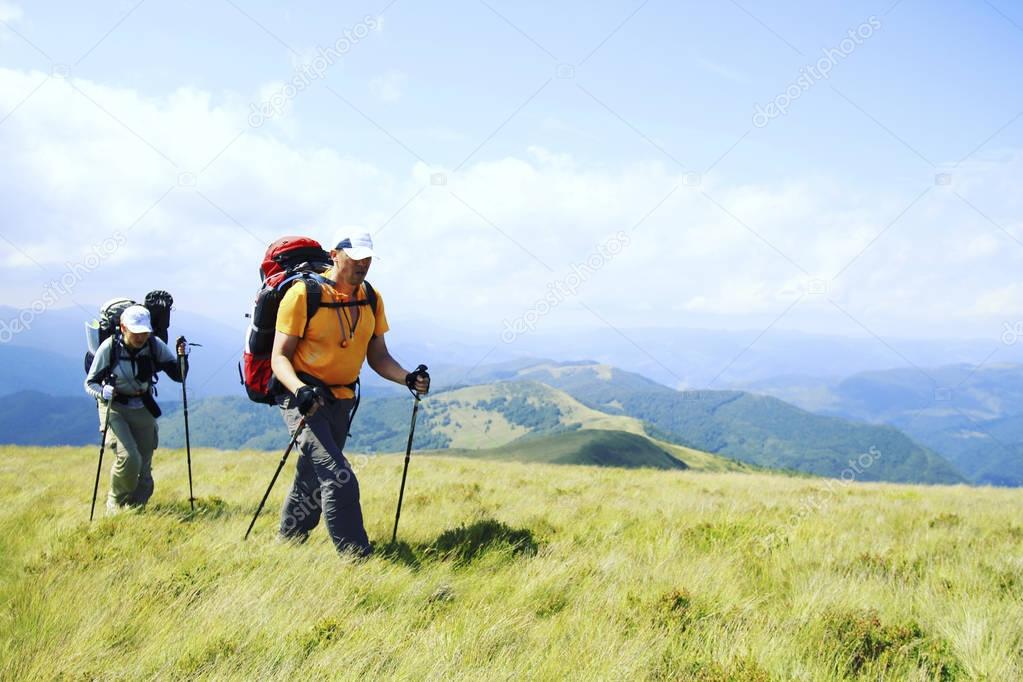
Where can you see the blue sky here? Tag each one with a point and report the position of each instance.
(553, 126)
(943, 76)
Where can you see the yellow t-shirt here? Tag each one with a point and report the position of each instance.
(319, 352)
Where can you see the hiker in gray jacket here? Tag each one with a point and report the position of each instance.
(121, 380)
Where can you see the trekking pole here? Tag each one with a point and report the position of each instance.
(102, 447)
(408, 456)
(294, 439)
(181, 344)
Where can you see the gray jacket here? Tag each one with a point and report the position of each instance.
(130, 374)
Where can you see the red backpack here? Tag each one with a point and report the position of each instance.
(287, 261)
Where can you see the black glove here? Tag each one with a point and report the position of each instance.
(308, 396)
(412, 377)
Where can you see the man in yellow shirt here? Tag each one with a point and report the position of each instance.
(318, 361)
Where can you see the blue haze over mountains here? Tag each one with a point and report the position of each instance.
(971, 414)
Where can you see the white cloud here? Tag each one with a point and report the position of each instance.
(388, 87)
(482, 247)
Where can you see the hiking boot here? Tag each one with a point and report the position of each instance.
(114, 509)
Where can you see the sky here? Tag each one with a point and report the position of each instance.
(828, 167)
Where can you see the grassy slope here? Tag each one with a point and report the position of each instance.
(590, 447)
(637, 574)
(460, 405)
(702, 461)
(471, 431)
(471, 427)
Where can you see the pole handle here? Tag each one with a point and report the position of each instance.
(421, 369)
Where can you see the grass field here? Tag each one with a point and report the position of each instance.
(510, 571)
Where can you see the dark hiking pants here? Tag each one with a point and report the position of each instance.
(325, 484)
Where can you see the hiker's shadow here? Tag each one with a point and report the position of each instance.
(205, 509)
(400, 552)
(463, 545)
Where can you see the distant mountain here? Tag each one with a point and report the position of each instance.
(751, 428)
(714, 430)
(989, 452)
(29, 369)
(973, 416)
(985, 392)
(33, 418)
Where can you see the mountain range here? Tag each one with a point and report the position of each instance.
(972, 415)
(940, 424)
(718, 430)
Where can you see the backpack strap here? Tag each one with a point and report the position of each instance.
(371, 296)
(152, 357)
(313, 299)
(115, 357)
(370, 300)
(314, 296)
(147, 362)
(313, 292)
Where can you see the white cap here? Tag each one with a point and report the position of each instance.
(357, 245)
(136, 319)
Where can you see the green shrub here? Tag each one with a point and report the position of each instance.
(468, 542)
(863, 642)
(945, 520)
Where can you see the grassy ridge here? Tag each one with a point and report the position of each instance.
(595, 448)
(508, 570)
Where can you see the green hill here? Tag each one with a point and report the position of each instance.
(490, 415)
(505, 571)
(756, 429)
(225, 423)
(493, 417)
(597, 448)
